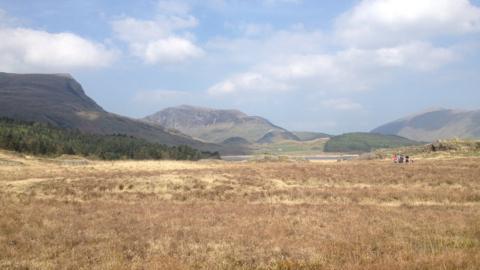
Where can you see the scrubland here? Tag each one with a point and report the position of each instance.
(247, 215)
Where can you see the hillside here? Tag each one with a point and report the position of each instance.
(213, 125)
(59, 100)
(435, 125)
(43, 139)
(365, 142)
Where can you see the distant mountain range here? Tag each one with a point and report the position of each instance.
(59, 100)
(434, 125)
(217, 126)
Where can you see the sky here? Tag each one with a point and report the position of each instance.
(311, 65)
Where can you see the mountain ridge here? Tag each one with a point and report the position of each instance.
(213, 125)
(435, 124)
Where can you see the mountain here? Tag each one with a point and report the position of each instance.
(213, 125)
(309, 136)
(435, 124)
(59, 100)
(365, 142)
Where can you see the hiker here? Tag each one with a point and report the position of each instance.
(400, 159)
(394, 158)
(407, 159)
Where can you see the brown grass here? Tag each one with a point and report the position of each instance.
(215, 215)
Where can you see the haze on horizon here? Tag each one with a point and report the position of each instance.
(328, 66)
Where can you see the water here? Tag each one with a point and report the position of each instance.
(320, 157)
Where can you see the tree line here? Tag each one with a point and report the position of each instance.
(43, 139)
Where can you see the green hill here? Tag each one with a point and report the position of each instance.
(365, 142)
(44, 139)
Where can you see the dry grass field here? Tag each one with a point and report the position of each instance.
(218, 215)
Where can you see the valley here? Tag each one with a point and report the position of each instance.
(240, 135)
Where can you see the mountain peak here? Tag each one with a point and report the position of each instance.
(213, 125)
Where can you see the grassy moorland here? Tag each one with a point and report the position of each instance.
(216, 215)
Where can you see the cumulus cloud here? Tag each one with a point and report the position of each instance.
(387, 22)
(164, 39)
(298, 59)
(247, 82)
(293, 72)
(415, 55)
(28, 50)
(168, 50)
(343, 71)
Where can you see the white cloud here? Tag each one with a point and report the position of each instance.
(164, 39)
(247, 82)
(299, 59)
(416, 55)
(341, 104)
(389, 22)
(342, 71)
(27, 50)
(292, 72)
(168, 50)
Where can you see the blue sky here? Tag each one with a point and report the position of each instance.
(330, 66)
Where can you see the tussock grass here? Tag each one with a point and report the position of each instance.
(218, 215)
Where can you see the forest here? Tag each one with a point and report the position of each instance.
(45, 140)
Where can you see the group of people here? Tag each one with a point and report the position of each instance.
(401, 159)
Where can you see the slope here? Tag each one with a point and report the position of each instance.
(434, 125)
(59, 100)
